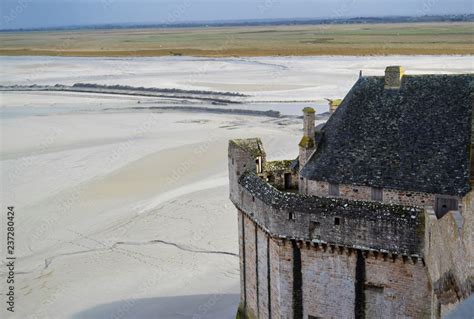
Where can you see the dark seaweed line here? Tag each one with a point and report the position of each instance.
(118, 92)
(269, 113)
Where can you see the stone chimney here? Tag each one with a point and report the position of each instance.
(307, 144)
(333, 104)
(393, 76)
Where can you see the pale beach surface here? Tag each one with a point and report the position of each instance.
(123, 213)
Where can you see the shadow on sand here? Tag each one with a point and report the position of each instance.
(220, 306)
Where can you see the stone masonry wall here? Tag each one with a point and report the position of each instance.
(448, 255)
(396, 288)
(240, 221)
(285, 258)
(467, 234)
(258, 274)
(262, 255)
(392, 287)
(250, 268)
(275, 291)
(389, 196)
(328, 283)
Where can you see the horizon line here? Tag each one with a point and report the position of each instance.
(253, 22)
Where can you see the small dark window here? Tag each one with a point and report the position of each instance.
(355, 190)
(337, 221)
(429, 240)
(333, 189)
(377, 194)
(408, 195)
(253, 198)
(291, 216)
(287, 180)
(232, 161)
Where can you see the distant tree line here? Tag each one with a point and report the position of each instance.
(263, 22)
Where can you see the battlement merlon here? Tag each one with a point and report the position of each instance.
(366, 225)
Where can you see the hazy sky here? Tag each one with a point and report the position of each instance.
(48, 13)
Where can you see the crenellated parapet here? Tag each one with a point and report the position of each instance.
(354, 224)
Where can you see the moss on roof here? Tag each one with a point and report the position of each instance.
(278, 165)
(252, 145)
(306, 142)
(334, 102)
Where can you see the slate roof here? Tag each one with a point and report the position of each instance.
(416, 138)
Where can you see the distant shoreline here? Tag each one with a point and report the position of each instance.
(376, 39)
(247, 54)
(258, 22)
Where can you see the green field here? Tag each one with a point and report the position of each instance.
(344, 39)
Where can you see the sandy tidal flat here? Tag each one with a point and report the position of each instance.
(115, 221)
(266, 80)
(125, 214)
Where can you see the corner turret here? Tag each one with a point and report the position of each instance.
(244, 155)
